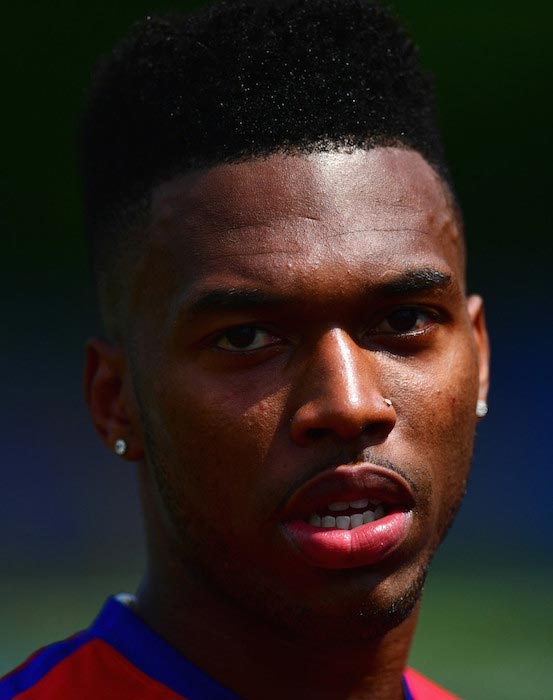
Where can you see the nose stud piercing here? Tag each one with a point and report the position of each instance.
(388, 402)
(481, 408)
(120, 447)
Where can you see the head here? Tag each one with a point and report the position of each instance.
(279, 255)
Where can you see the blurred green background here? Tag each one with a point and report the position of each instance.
(70, 530)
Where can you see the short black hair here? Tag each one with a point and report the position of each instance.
(241, 79)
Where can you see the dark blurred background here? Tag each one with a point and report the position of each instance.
(70, 530)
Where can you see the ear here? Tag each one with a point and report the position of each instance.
(475, 307)
(110, 397)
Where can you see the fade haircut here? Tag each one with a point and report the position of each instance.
(237, 80)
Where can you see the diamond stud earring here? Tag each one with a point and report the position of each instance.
(388, 402)
(120, 447)
(481, 408)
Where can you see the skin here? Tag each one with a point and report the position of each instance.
(223, 437)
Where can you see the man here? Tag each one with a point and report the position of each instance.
(290, 358)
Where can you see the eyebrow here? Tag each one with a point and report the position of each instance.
(233, 299)
(419, 280)
(229, 299)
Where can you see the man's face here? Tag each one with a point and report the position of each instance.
(279, 307)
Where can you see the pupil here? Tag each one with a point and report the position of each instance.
(403, 320)
(241, 337)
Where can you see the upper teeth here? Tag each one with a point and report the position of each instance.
(342, 505)
(347, 522)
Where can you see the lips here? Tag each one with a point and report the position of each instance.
(310, 523)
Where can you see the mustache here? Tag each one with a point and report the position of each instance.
(340, 460)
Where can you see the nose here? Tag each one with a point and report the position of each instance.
(339, 395)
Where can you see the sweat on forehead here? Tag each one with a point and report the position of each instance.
(384, 188)
(239, 80)
(285, 223)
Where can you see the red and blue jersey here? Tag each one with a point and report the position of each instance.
(120, 657)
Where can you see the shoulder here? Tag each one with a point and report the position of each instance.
(22, 679)
(81, 666)
(420, 688)
(117, 657)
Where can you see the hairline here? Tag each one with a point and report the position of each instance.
(134, 216)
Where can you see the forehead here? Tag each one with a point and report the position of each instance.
(296, 217)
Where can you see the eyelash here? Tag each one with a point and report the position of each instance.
(432, 315)
(256, 329)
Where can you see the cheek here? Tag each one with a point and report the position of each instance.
(436, 422)
(439, 392)
(214, 444)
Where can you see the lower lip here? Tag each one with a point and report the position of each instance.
(346, 549)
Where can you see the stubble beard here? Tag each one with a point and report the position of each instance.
(205, 557)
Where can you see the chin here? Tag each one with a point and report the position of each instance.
(367, 616)
(340, 608)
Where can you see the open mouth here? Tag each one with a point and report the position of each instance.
(348, 515)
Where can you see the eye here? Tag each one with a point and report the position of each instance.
(405, 320)
(244, 339)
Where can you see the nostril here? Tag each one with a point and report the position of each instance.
(378, 432)
(374, 432)
(316, 434)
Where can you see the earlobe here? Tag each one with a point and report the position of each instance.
(108, 393)
(475, 307)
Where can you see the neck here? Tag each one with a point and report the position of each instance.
(255, 659)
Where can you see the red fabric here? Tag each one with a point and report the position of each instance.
(78, 677)
(423, 689)
(96, 671)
